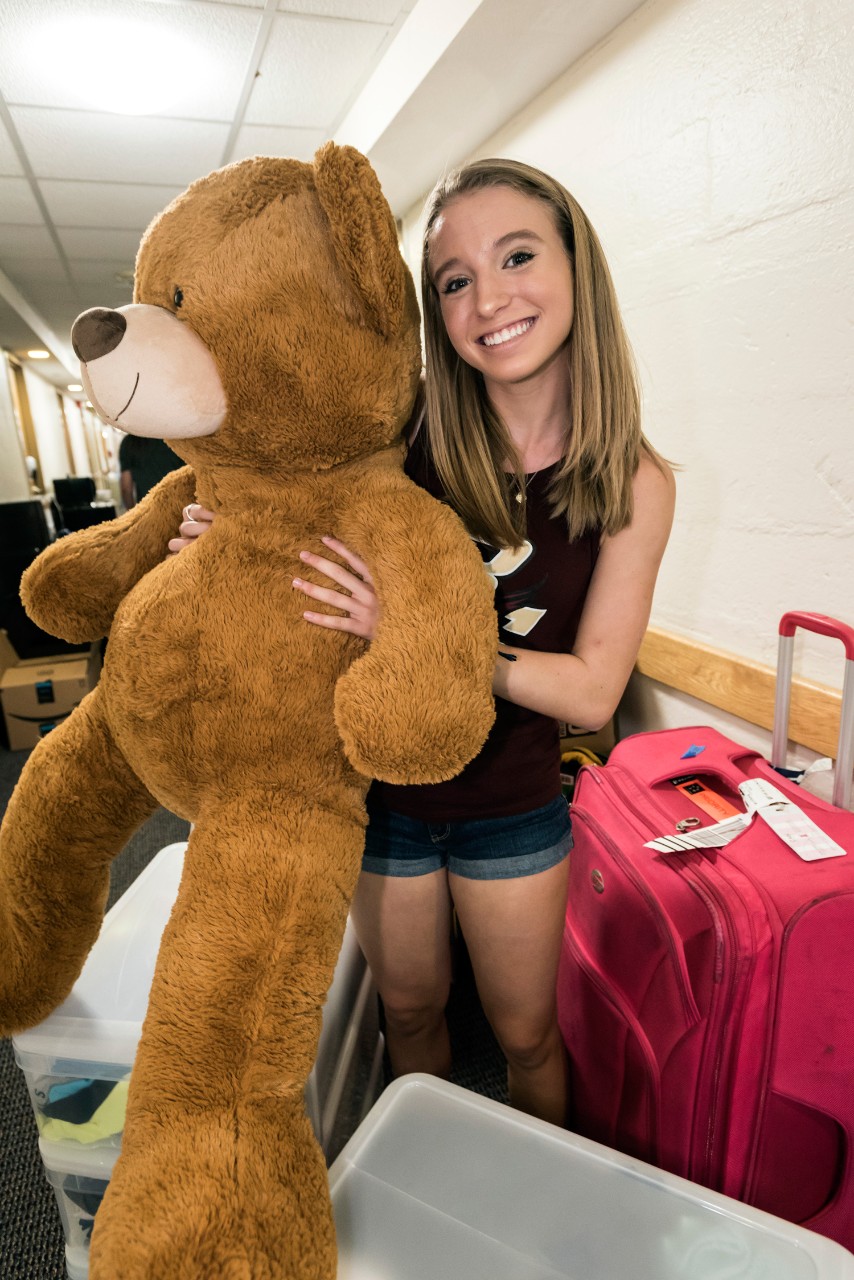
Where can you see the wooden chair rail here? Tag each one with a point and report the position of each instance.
(741, 687)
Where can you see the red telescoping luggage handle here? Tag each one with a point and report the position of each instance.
(820, 623)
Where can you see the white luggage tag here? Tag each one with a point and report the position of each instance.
(790, 823)
(714, 837)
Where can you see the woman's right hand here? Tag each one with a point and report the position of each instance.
(197, 520)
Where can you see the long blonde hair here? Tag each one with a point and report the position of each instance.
(470, 443)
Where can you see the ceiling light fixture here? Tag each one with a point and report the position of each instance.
(38, 354)
(113, 64)
(75, 386)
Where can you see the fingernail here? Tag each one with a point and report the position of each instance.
(303, 555)
(297, 582)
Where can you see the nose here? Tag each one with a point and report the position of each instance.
(492, 296)
(97, 332)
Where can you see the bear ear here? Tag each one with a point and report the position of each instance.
(363, 233)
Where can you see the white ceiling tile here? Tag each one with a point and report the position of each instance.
(37, 273)
(17, 202)
(128, 206)
(46, 297)
(310, 70)
(94, 297)
(87, 271)
(269, 140)
(17, 335)
(79, 242)
(25, 242)
(96, 147)
(356, 10)
(195, 69)
(9, 162)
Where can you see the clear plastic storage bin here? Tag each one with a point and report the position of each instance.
(79, 1180)
(441, 1182)
(77, 1062)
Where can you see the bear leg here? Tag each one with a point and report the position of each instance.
(76, 804)
(220, 1173)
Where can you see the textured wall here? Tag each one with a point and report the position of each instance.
(710, 142)
(14, 484)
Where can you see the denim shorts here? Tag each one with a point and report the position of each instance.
(483, 849)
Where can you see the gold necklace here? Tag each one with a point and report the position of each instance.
(522, 493)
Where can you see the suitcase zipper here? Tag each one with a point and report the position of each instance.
(720, 1011)
(689, 1005)
(611, 996)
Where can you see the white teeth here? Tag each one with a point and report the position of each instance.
(504, 335)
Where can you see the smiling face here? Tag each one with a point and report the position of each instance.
(505, 287)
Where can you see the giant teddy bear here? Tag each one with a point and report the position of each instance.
(273, 340)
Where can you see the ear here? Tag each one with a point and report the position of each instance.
(363, 233)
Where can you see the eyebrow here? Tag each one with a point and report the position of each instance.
(524, 234)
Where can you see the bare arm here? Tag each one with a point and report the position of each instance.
(74, 587)
(584, 687)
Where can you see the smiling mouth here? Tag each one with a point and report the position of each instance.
(132, 394)
(501, 336)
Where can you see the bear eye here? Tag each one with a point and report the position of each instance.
(178, 297)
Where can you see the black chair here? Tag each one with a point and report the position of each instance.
(24, 532)
(23, 528)
(82, 517)
(74, 491)
(75, 497)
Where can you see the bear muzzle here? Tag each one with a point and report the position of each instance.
(148, 372)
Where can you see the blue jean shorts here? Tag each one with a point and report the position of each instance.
(483, 849)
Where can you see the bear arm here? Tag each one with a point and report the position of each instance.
(418, 705)
(74, 587)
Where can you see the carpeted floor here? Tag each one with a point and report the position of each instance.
(31, 1240)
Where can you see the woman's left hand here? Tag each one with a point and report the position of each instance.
(358, 599)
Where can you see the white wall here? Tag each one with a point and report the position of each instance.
(14, 483)
(710, 142)
(47, 421)
(77, 436)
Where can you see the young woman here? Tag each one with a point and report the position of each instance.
(532, 433)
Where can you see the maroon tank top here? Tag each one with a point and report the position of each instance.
(539, 595)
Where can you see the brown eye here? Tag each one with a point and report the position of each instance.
(178, 298)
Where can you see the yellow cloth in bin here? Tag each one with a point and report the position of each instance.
(106, 1122)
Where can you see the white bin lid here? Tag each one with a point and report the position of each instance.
(96, 1030)
(60, 1158)
(77, 1263)
(438, 1181)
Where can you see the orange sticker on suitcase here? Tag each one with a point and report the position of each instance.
(716, 806)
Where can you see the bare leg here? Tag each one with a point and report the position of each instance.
(513, 930)
(76, 804)
(220, 1174)
(403, 924)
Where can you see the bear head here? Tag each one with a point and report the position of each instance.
(274, 324)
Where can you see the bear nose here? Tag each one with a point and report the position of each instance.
(97, 332)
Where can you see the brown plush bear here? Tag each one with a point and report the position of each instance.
(273, 341)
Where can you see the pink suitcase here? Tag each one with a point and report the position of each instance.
(706, 997)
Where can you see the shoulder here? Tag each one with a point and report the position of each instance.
(654, 488)
(653, 503)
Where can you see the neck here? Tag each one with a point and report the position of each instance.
(536, 414)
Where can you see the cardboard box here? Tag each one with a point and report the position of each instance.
(8, 656)
(40, 693)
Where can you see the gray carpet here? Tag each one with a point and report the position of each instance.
(31, 1240)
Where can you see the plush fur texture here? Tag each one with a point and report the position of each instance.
(219, 701)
